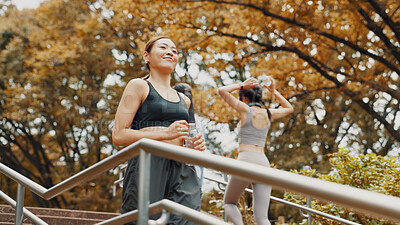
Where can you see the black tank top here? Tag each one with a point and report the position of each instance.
(157, 111)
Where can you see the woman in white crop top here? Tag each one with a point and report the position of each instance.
(255, 120)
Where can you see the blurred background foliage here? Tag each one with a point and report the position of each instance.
(370, 172)
(64, 65)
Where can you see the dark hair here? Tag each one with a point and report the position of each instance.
(186, 90)
(254, 95)
(150, 44)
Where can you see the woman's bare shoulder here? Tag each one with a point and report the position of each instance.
(137, 87)
(137, 84)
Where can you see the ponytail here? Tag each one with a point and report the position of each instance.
(254, 95)
(269, 113)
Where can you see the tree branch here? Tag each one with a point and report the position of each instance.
(311, 29)
(381, 119)
(379, 32)
(386, 18)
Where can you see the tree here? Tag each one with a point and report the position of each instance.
(55, 108)
(338, 62)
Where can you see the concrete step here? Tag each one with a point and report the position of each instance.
(12, 223)
(9, 218)
(57, 216)
(67, 220)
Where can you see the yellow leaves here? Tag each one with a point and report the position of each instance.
(209, 104)
(14, 20)
(90, 29)
(370, 171)
(212, 203)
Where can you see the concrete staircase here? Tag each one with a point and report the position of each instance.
(56, 216)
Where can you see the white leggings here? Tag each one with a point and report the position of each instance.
(261, 192)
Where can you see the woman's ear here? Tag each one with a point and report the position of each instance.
(146, 56)
(245, 100)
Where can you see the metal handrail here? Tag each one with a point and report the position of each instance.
(273, 198)
(301, 207)
(365, 201)
(368, 202)
(83, 176)
(26, 212)
(170, 206)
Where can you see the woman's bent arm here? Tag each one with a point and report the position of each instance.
(286, 109)
(225, 93)
(134, 94)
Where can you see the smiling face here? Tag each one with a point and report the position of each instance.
(163, 55)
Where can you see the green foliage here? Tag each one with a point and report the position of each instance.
(370, 172)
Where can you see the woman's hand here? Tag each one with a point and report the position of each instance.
(271, 87)
(250, 83)
(198, 142)
(178, 129)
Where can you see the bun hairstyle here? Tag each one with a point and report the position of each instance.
(254, 94)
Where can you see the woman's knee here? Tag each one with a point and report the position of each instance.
(229, 207)
(228, 199)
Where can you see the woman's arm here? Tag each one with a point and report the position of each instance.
(286, 109)
(133, 96)
(235, 103)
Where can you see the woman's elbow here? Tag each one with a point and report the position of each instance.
(115, 142)
(223, 93)
(220, 91)
(291, 109)
(288, 109)
(116, 139)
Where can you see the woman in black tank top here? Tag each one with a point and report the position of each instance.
(150, 108)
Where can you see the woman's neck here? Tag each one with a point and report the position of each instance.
(254, 104)
(160, 79)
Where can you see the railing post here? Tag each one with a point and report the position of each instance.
(20, 204)
(144, 185)
(226, 180)
(309, 218)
